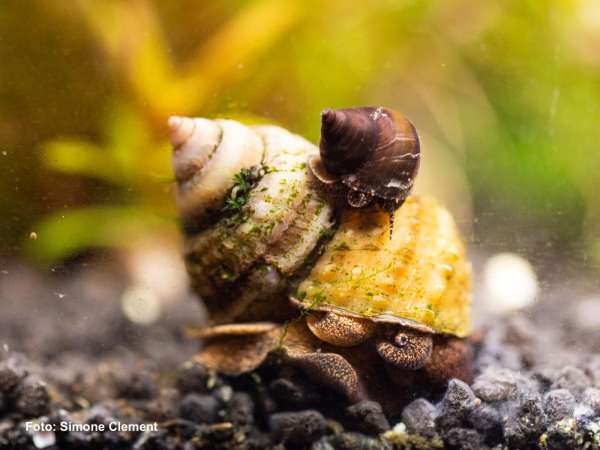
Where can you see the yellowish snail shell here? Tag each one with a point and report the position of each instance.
(263, 242)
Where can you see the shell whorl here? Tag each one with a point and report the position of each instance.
(249, 210)
(348, 136)
(371, 150)
(207, 155)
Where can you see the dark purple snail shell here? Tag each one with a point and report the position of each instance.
(373, 151)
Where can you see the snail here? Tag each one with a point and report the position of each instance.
(281, 266)
(373, 153)
(405, 294)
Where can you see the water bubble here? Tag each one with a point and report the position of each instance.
(44, 439)
(510, 282)
(141, 305)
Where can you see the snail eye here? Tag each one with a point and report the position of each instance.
(401, 340)
(358, 199)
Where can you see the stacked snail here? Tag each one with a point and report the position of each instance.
(277, 229)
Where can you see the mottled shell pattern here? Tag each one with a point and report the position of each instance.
(258, 230)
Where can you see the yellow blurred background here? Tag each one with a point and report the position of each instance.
(505, 95)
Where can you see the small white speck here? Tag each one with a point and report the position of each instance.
(141, 305)
(44, 439)
(60, 295)
(4, 153)
(510, 281)
(399, 428)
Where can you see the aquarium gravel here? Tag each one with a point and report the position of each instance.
(537, 385)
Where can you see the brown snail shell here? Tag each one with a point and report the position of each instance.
(373, 152)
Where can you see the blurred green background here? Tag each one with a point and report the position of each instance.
(505, 95)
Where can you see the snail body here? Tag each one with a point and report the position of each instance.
(266, 242)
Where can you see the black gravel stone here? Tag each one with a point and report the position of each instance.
(241, 409)
(350, 441)
(12, 372)
(15, 438)
(367, 417)
(462, 439)
(194, 377)
(298, 429)
(573, 379)
(199, 408)
(558, 404)
(458, 400)
(419, 418)
(591, 433)
(258, 440)
(518, 400)
(487, 420)
(495, 385)
(292, 393)
(221, 435)
(525, 424)
(32, 399)
(563, 435)
(139, 386)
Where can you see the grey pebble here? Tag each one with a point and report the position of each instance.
(462, 439)
(591, 397)
(291, 392)
(351, 441)
(487, 420)
(241, 409)
(558, 404)
(199, 408)
(562, 435)
(573, 379)
(524, 424)
(138, 385)
(367, 417)
(419, 417)
(458, 400)
(193, 377)
(32, 398)
(298, 428)
(502, 384)
(12, 372)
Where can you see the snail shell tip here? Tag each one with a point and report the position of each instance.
(180, 130)
(328, 117)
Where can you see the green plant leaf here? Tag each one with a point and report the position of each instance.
(63, 234)
(80, 157)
